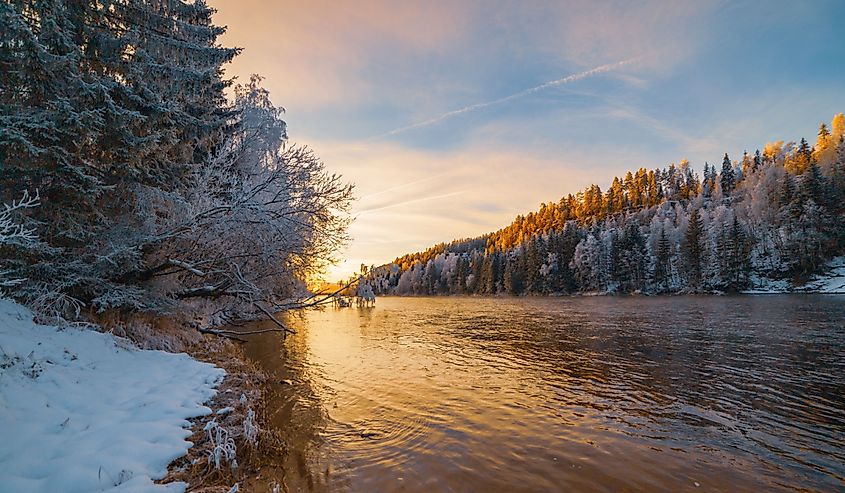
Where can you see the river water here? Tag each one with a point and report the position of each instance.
(563, 394)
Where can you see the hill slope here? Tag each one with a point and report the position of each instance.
(774, 215)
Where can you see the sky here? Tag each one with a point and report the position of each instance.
(452, 117)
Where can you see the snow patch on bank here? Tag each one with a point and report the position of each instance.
(82, 411)
(764, 285)
(831, 282)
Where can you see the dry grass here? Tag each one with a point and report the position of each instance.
(149, 331)
(242, 390)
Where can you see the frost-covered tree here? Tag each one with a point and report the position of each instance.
(727, 179)
(156, 191)
(97, 99)
(261, 218)
(662, 266)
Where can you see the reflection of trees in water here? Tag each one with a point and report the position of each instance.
(294, 407)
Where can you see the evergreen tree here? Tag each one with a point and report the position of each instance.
(800, 161)
(662, 267)
(813, 184)
(707, 184)
(101, 104)
(838, 171)
(694, 248)
(727, 177)
(737, 253)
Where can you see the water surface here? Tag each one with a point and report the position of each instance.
(565, 394)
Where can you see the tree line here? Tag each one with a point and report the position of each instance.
(774, 215)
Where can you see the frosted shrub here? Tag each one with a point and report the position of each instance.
(250, 428)
(223, 446)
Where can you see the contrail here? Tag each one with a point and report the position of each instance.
(412, 201)
(466, 109)
(404, 185)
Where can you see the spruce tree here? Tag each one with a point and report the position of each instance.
(737, 257)
(661, 264)
(707, 185)
(99, 103)
(727, 177)
(838, 171)
(694, 248)
(813, 184)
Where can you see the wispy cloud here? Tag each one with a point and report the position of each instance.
(474, 107)
(412, 201)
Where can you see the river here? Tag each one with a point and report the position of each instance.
(563, 394)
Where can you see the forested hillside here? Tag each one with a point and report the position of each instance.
(776, 214)
(133, 183)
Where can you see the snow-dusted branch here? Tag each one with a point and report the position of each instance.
(10, 230)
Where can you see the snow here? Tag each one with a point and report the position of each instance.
(764, 285)
(832, 282)
(83, 411)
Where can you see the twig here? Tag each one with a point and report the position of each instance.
(222, 333)
(250, 332)
(271, 317)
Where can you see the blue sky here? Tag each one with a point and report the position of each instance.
(707, 78)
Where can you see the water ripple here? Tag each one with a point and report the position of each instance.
(584, 394)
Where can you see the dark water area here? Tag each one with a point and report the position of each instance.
(564, 394)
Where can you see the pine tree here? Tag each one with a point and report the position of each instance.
(513, 278)
(706, 184)
(813, 185)
(824, 150)
(838, 171)
(661, 263)
(747, 164)
(800, 161)
(727, 177)
(738, 265)
(694, 249)
(458, 285)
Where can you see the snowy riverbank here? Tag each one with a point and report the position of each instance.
(832, 281)
(82, 411)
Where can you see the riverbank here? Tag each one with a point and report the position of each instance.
(82, 410)
(257, 450)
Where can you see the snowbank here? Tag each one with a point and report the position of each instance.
(831, 282)
(82, 411)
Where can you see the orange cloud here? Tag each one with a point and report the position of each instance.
(313, 52)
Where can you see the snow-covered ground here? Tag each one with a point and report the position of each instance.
(82, 411)
(764, 285)
(831, 282)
